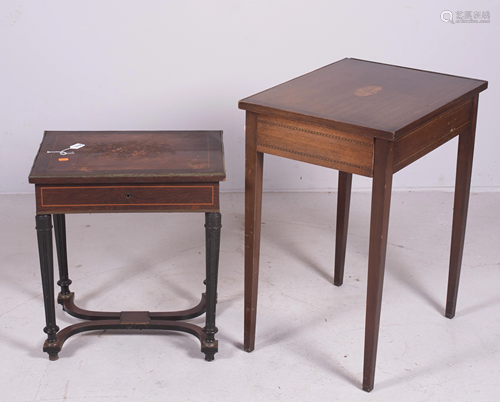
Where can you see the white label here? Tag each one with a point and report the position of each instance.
(64, 151)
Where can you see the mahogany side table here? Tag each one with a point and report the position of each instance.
(92, 172)
(369, 119)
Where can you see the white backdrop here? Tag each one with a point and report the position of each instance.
(184, 64)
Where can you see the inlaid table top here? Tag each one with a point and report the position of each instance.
(364, 97)
(128, 171)
(129, 157)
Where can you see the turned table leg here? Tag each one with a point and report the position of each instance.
(212, 233)
(62, 255)
(44, 235)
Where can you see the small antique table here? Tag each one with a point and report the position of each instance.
(151, 171)
(369, 119)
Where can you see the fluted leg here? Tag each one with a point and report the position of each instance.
(212, 233)
(62, 255)
(44, 234)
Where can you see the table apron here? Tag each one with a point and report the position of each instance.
(200, 197)
(432, 134)
(348, 152)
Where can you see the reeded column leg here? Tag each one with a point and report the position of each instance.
(62, 255)
(44, 234)
(379, 225)
(343, 204)
(462, 192)
(212, 233)
(253, 205)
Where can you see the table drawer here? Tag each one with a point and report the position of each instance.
(127, 198)
(318, 145)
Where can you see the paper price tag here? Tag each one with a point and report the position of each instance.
(76, 146)
(63, 152)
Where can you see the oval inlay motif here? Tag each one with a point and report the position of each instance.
(367, 91)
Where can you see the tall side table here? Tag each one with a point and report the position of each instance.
(369, 119)
(99, 172)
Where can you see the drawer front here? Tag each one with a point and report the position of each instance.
(431, 135)
(133, 198)
(318, 145)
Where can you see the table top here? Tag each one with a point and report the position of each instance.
(76, 157)
(364, 97)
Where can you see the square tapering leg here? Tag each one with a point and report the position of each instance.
(379, 227)
(461, 206)
(253, 206)
(343, 204)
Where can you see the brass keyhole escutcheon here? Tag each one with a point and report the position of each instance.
(127, 195)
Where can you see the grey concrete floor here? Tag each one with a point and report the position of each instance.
(309, 333)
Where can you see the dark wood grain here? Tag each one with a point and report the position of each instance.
(127, 198)
(130, 157)
(62, 252)
(343, 204)
(129, 171)
(372, 99)
(45, 252)
(426, 138)
(166, 171)
(379, 228)
(212, 235)
(365, 118)
(254, 162)
(461, 206)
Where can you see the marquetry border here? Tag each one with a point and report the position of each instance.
(314, 132)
